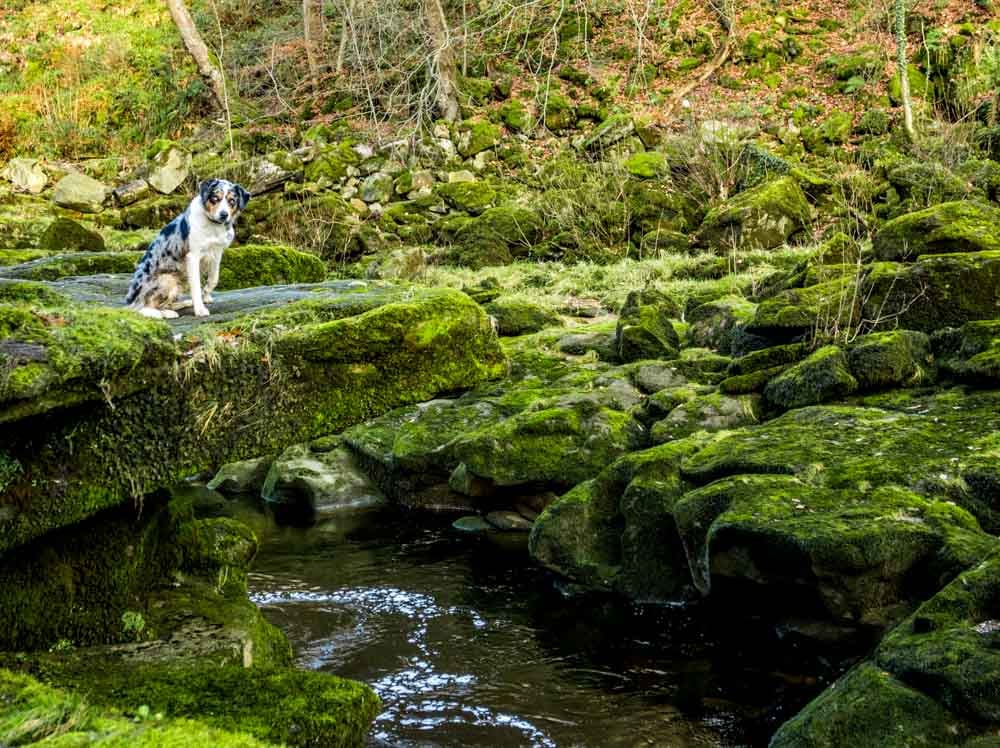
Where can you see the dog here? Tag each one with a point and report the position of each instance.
(190, 244)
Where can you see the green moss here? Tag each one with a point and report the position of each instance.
(764, 217)
(705, 413)
(496, 236)
(870, 707)
(331, 162)
(918, 85)
(833, 304)
(900, 358)
(558, 112)
(472, 197)
(821, 377)
(477, 136)
(339, 358)
(65, 234)
(285, 706)
(515, 115)
(518, 317)
(18, 256)
(644, 328)
(252, 265)
(31, 713)
(769, 358)
(755, 381)
(949, 227)
(153, 214)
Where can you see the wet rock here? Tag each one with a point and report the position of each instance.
(26, 174)
(473, 524)
(81, 193)
(508, 521)
(245, 476)
(65, 234)
(310, 486)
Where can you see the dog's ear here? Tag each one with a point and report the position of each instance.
(242, 195)
(206, 188)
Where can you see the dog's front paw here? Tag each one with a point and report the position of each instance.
(200, 311)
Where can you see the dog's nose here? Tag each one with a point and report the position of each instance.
(224, 215)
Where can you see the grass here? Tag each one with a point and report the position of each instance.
(551, 284)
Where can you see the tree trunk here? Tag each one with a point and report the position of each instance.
(345, 29)
(442, 61)
(198, 51)
(312, 29)
(903, 67)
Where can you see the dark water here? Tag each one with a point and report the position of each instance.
(469, 644)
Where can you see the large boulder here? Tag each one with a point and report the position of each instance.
(81, 193)
(949, 227)
(65, 234)
(80, 381)
(823, 376)
(644, 328)
(764, 217)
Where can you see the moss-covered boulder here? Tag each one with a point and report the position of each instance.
(828, 306)
(971, 352)
(824, 376)
(32, 713)
(644, 328)
(331, 162)
(712, 412)
(715, 323)
(341, 352)
(515, 115)
(932, 680)
(477, 136)
(764, 217)
(497, 236)
(898, 358)
(516, 316)
(960, 226)
(647, 164)
(552, 445)
(616, 531)
(280, 706)
(472, 197)
(612, 130)
(252, 265)
(65, 234)
(153, 214)
(59, 266)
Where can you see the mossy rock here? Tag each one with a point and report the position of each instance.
(551, 447)
(647, 164)
(959, 226)
(330, 163)
(937, 291)
(764, 217)
(706, 413)
(276, 705)
(65, 234)
(823, 376)
(611, 131)
(558, 112)
(518, 317)
(153, 214)
(836, 128)
(33, 713)
(477, 136)
(971, 352)
(833, 303)
(712, 325)
(516, 116)
(920, 185)
(59, 266)
(472, 197)
(874, 122)
(387, 346)
(644, 328)
(252, 265)
(898, 358)
(497, 235)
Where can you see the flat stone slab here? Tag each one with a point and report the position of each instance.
(101, 406)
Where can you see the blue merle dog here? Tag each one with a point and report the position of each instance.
(188, 245)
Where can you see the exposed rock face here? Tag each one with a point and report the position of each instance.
(341, 351)
(79, 192)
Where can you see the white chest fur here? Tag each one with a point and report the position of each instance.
(207, 237)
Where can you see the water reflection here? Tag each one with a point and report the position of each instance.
(469, 644)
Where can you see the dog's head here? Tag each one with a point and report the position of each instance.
(222, 200)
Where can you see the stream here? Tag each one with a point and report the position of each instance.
(468, 643)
